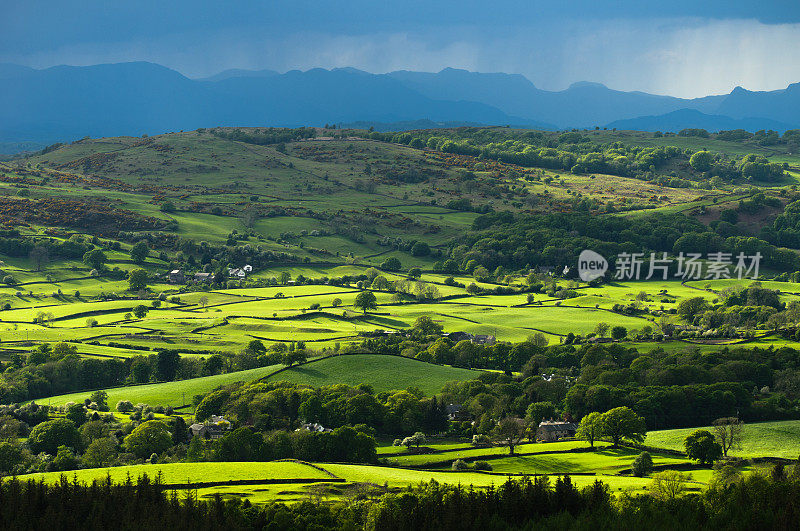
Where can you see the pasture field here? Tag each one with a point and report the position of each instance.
(167, 393)
(762, 439)
(287, 481)
(383, 373)
(227, 319)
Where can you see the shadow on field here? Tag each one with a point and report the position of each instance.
(308, 372)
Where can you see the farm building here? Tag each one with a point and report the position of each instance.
(478, 339)
(214, 428)
(550, 430)
(484, 339)
(237, 272)
(176, 277)
(203, 277)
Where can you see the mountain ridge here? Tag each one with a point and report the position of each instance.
(67, 102)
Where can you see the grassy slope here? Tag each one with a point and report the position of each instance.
(169, 393)
(383, 373)
(772, 439)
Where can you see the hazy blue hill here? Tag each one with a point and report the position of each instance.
(64, 103)
(583, 104)
(781, 105)
(691, 118)
(318, 96)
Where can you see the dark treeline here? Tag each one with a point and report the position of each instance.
(578, 152)
(669, 389)
(270, 135)
(344, 444)
(754, 502)
(282, 405)
(520, 241)
(50, 371)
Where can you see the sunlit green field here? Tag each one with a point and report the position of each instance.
(762, 439)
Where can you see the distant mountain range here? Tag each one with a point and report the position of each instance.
(65, 102)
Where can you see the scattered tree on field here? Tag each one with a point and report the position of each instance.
(366, 300)
(728, 432)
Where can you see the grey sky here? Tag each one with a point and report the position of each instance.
(684, 49)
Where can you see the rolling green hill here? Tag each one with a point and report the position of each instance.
(383, 373)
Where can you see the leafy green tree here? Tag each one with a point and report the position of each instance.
(391, 264)
(381, 283)
(415, 440)
(425, 326)
(669, 484)
(420, 249)
(480, 273)
(294, 357)
(590, 428)
(642, 465)
(49, 435)
(96, 259)
(63, 350)
(701, 446)
(336, 302)
(692, 307)
(101, 452)
(139, 252)
(151, 437)
(619, 332)
(76, 413)
(167, 364)
(509, 432)
(241, 444)
(415, 272)
(701, 161)
(140, 311)
(137, 280)
(366, 300)
(100, 398)
(285, 277)
(539, 411)
(622, 423)
(64, 460)
(11, 457)
(601, 329)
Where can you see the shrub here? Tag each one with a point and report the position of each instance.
(643, 464)
(124, 406)
(482, 465)
(460, 464)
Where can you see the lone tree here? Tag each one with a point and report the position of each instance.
(601, 329)
(96, 259)
(619, 332)
(509, 432)
(366, 301)
(39, 257)
(642, 465)
(590, 428)
(414, 440)
(140, 311)
(622, 423)
(137, 280)
(151, 437)
(701, 446)
(139, 252)
(728, 431)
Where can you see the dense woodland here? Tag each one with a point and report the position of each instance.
(754, 502)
